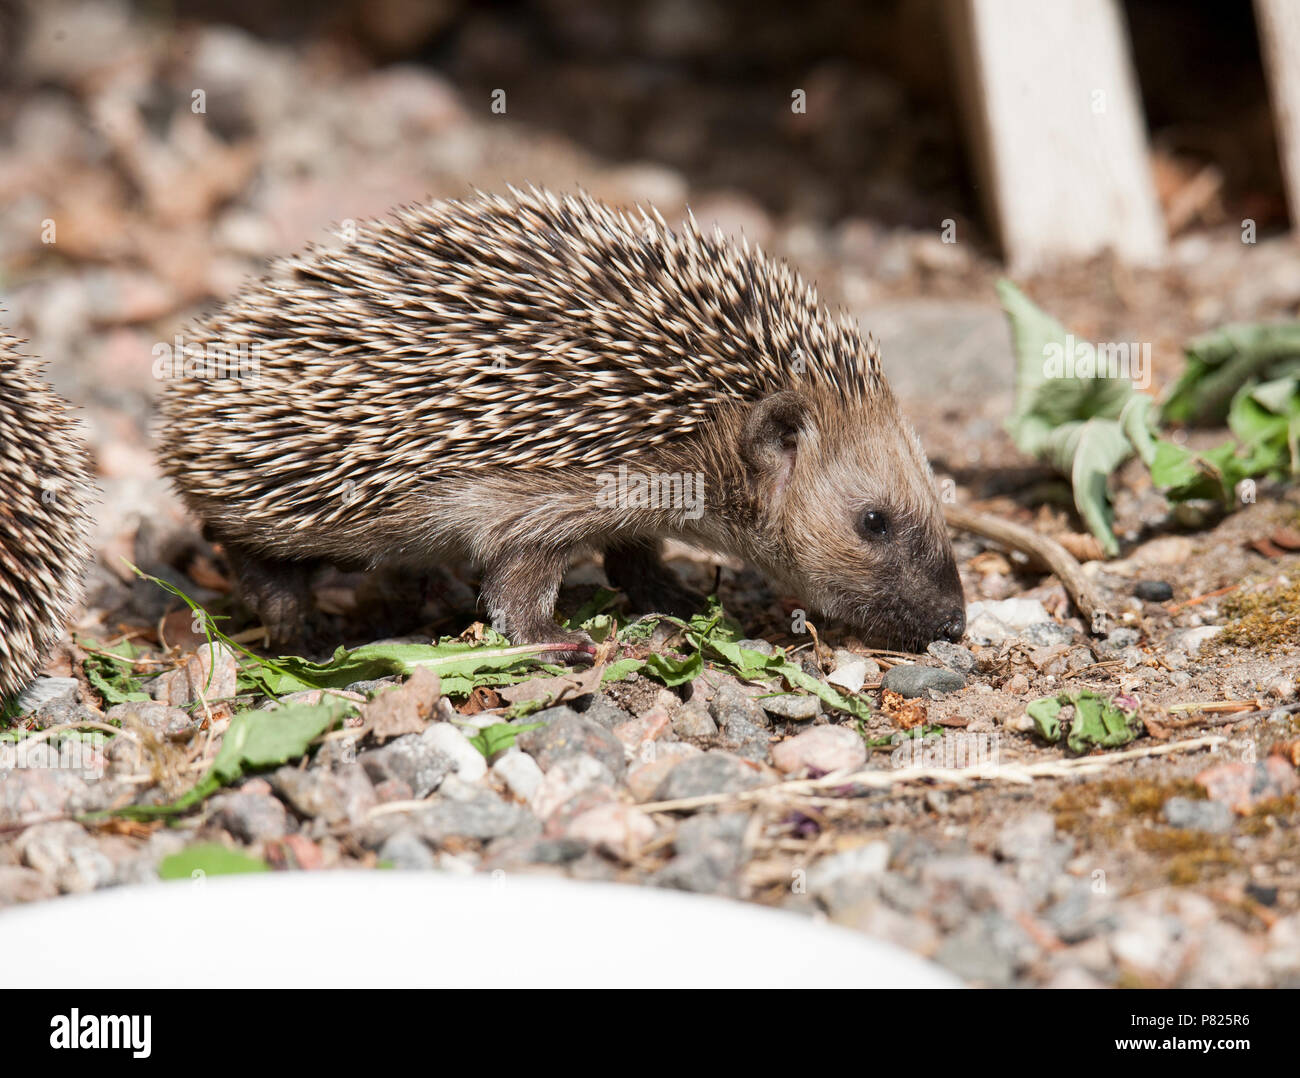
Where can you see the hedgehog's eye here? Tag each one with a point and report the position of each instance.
(874, 524)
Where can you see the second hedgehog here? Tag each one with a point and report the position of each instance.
(517, 380)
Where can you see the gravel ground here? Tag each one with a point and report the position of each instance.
(1170, 862)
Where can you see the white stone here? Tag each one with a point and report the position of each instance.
(469, 762)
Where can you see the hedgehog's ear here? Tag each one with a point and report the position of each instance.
(769, 438)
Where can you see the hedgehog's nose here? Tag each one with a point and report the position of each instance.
(954, 628)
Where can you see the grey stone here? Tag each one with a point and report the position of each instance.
(1153, 591)
(410, 758)
(793, 707)
(572, 735)
(953, 656)
(1119, 639)
(250, 816)
(987, 950)
(761, 646)
(708, 773)
(731, 703)
(1193, 815)
(48, 691)
(913, 680)
(1046, 634)
(603, 711)
(692, 722)
(405, 850)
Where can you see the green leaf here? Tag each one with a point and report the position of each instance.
(1097, 722)
(109, 670)
(1220, 363)
(208, 859)
(1085, 426)
(494, 739)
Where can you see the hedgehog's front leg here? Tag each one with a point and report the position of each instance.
(519, 591)
(637, 569)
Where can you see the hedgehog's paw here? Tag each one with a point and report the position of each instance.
(570, 647)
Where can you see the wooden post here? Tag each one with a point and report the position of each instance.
(1056, 129)
(1279, 40)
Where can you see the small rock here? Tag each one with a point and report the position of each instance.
(616, 828)
(868, 860)
(414, 760)
(990, 621)
(570, 778)
(573, 735)
(48, 691)
(603, 711)
(1167, 550)
(1026, 837)
(953, 656)
(1192, 815)
(635, 733)
(1153, 591)
(444, 738)
(709, 773)
(484, 818)
(791, 706)
(913, 680)
(1119, 639)
(251, 815)
(1226, 957)
(1190, 641)
(519, 772)
(693, 723)
(730, 704)
(644, 778)
(406, 851)
(336, 797)
(761, 646)
(851, 671)
(1047, 634)
(1242, 786)
(161, 718)
(21, 884)
(824, 748)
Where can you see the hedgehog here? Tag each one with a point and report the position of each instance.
(45, 488)
(520, 379)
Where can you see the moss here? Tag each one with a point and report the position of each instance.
(1198, 865)
(1265, 620)
(1136, 799)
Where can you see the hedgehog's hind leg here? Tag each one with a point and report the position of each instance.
(519, 591)
(279, 593)
(637, 569)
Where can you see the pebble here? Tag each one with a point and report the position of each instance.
(1047, 634)
(730, 704)
(444, 739)
(604, 712)
(852, 866)
(953, 656)
(573, 735)
(616, 828)
(251, 814)
(791, 707)
(851, 671)
(912, 680)
(406, 851)
(1153, 591)
(1119, 639)
(570, 778)
(162, 719)
(341, 796)
(1193, 815)
(1241, 786)
(1190, 641)
(412, 759)
(694, 723)
(519, 772)
(709, 773)
(823, 748)
(991, 621)
(46, 691)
